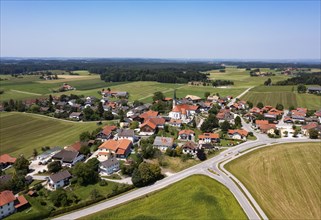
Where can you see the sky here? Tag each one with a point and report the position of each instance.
(161, 29)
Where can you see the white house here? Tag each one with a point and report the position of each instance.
(128, 134)
(58, 180)
(68, 158)
(9, 204)
(163, 143)
(183, 112)
(109, 166)
(238, 134)
(190, 148)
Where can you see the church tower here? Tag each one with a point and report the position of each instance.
(174, 99)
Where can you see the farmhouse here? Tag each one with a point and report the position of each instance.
(163, 143)
(238, 134)
(106, 133)
(6, 160)
(190, 148)
(9, 204)
(58, 180)
(68, 158)
(109, 166)
(117, 148)
(208, 138)
(188, 135)
(150, 126)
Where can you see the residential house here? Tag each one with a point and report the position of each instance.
(225, 115)
(149, 114)
(259, 123)
(298, 115)
(316, 90)
(187, 135)
(193, 98)
(66, 87)
(76, 116)
(190, 148)
(208, 138)
(117, 148)
(162, 143)
(150, 126)
(68, 158)
(6, 160)
(267, 128)
(238, 134)
(306, 128)
(128, 134)
(318, 114)
(213, 98)
(58, 180)
(9, 203)
(183, 112)
(106, 133)
(109, 166)
(75, 147)
(175, 123)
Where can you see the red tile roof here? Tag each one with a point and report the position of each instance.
(153, 122)
(21, 201)
(186, 132)
(209, 135)
(240, 131)
(74, 147)
(6, 197)
(148, 114)
(108, 129)
(6, 158)
(309, 126)
(261, 122)
(183, 108)
(118, 146)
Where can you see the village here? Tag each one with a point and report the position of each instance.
(192, 128)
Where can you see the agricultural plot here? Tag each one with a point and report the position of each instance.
(284, 179)
(196, 197)
(20, 133)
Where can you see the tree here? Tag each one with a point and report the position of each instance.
(158, 96)
(54, 166)
(85, 174)
(35, 153)
(260, 105)
(100, 109)
(94, 194)
(84, 136)
(291, 108)
(147, 151)
(93, 163)
(279, 107)
(268, 82)
(250, 104)
(238, 122)
(134, 125)
(34, 108)
(108, 115)
(137, 103)
(146, 174)
(84, 150)
(209, 124)
(88, 112)
(21, 165)
(225, 126)
(59, 198)
(207, 94)
(313, 134)
(301, 88)
(201, 155)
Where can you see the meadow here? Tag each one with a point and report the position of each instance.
(284, 179)
(20, 133)
(286, 95)
(196, 197)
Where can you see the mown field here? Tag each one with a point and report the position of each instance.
(196, 197)
(284, 179)
(20, 133)
(286, 95)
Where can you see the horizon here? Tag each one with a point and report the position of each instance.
(162, 30)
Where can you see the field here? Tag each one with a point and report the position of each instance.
(286, 95)
(284, 179)
(196, 197)
(20, 133)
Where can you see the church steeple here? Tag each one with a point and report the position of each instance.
(174, 99)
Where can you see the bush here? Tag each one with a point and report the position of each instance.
(103, 183)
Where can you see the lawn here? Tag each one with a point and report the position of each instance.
(20, 133)
(286, 95)
(284, 179)
(196, 197)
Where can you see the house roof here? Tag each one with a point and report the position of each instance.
(193, 97)
(74, 147)
(267, 126)
(75, 114)
(163, 141)
(66, 156)
(109, 162)
(190, 145)
(154, 122)
(60, 176)
(184, 107)
(309, 126)
(108, 129)
(21, 201)
(118, 146)
(6, 197)
(5, 178)
(188, 132)
(148, 114)
(239, 131)
(175, 121)
(261, 122)
(126, 133)
(209, 135)
(6, 158)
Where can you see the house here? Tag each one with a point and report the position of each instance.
(128, 134)
(118, 148)
(207, 138)
(9, 204)
(225, 115)
(188, 135)
(299, 114)
(76, 116)
(175, 123)
(68, 158)
(66, 87)
(149, 114)
(58, 180)
(256, 110)
(183, 112)
(306, 128)
(316, 90)
(6, 160)
(106, 133)
(213, 98)
(259, 123)
(109, 166)
(190, 148)
(46, 156)
(287, 119)
(193, 98)
(318, 114)
(267, 128)
(163, 143)
(238, 134)
(150, 126)
(75, 147)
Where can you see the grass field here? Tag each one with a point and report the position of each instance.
(20, 133)
(196, 197)
(284, 179)
(286, 95)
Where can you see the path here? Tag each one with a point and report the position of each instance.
(239, 96)
(29, 93)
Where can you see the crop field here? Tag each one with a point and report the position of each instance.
(284, 179)
(196, 197)
(286, 95)
(20, 133)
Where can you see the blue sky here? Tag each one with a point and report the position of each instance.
(162, 29)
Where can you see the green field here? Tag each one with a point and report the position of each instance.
(20, 133)
(286, 95)
(196, 197)
(284, 179)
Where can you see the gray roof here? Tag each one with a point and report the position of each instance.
(66, 156)
(163, 141)
(126, 133)
(60, 176)
(75, 114)
(109, 162)
(314, 88)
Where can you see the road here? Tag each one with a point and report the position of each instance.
(239, 96)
